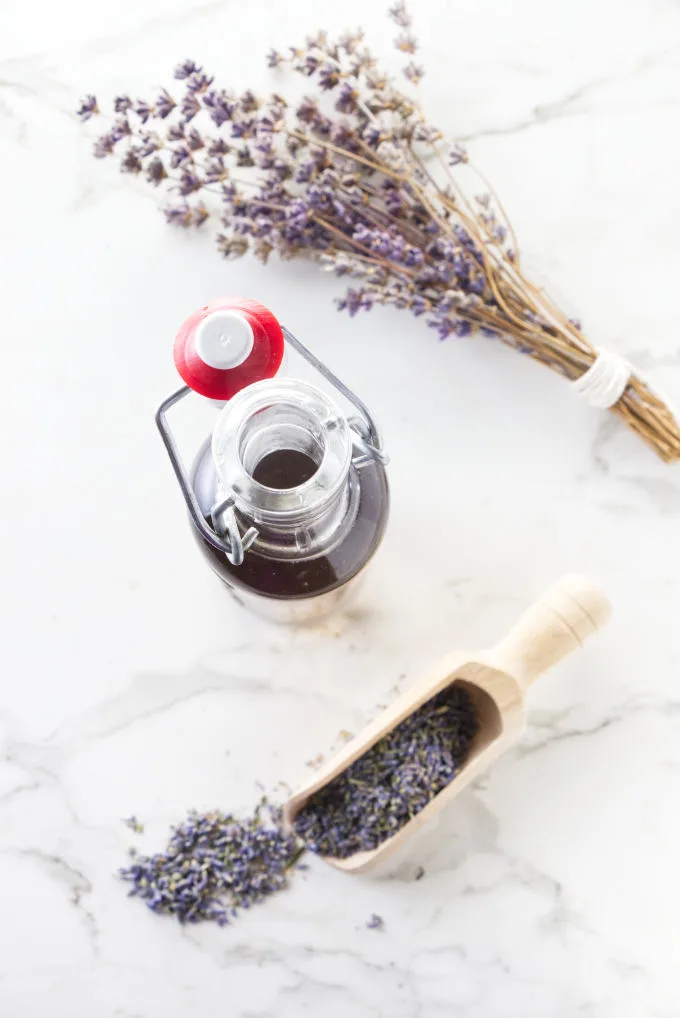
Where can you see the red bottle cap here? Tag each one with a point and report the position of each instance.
(226, 345)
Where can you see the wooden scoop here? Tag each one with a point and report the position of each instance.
(496, 681)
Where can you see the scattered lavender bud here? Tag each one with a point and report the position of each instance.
(88, 108)
(393, 781)
(134, 824)
(376, 922)
(419, 874)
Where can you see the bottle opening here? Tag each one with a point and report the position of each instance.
(282, 446)
(284, 469)
(283, 450)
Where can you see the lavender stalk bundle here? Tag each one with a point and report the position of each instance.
(393, 781)
(355, 177)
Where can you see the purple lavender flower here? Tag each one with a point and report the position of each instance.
(249, 102)
(88, 108)
(376, 922)
(190, 106)
(131, 163)
(188, 183)
(133, 823)
(121, 129)
(347, 98)
(194, 140)
(399, 14)
(199, 81)
(356, 300)
(456, 155)
(186, 68)
(329, 76)
(176, 131)
(180, 154)
(243, 127)
(215, 170)
(122, 104)
(308, 110)
(309, 64)
(349, 41)
(164, 104)
(219, 105)
(199, 214)
(218, 147)
(178, 215)
(148, 144)
(274, 59)
(244, 157)
(142, 109)
(155, 172)
(406, 43)
(414, 73)
(104, 146)
(420, 305)
(231, 247)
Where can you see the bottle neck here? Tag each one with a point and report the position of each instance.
(283, 450)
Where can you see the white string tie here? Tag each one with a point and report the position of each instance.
(605, 381)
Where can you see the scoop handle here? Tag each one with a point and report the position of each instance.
(557, 623)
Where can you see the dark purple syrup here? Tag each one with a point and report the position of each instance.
(303, 577)
(284, 468)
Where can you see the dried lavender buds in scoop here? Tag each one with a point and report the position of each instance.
(393, 781)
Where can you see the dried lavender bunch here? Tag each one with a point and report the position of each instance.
(394, 780)
(356, 177)
(214, 866)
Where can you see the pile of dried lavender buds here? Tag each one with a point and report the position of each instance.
(393, 781)
(215, 865)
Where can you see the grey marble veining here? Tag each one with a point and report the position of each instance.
(131, 684)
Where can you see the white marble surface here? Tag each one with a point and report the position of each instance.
(130, 684)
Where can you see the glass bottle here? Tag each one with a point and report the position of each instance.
(289, 497)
